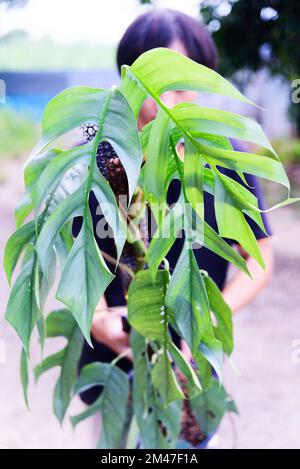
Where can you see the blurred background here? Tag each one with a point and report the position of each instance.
(48, 45)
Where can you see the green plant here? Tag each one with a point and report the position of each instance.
(156, 299)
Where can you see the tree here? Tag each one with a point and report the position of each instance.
(251, 34)
(157, 299)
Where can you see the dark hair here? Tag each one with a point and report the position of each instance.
(158, 28)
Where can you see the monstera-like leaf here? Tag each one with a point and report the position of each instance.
(112, 402)
(149, 316)
(201, 128)
(60, 323)
(158, 422)
(43, 176)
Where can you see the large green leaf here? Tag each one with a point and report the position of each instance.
(250, 163)
(15, 245)
(187, 301)
(69, 109)
(141, 367)
(215, 243)
(210, 407)
(193, 178)
(23, 209)
(242, 198)
(231, 221)
(38, 284)
(81, 292)
(70, 207)
(164, 238)
(188, 118)
(34, 168)
(164, 380)
(147, 314)
(120, 129)
(157, 156)
(109, 207)
(186, 369)
(158, 424)
(146, 305)
(176, 72)
(112, 403)
(195, 118)
(204, 369)
(55, 170)
(211, 348)
(22, 310)
(223, 315)
(31, 174)
(61, 323)
(24, 375)
(84, 258)
(110, 110)
(191, 120)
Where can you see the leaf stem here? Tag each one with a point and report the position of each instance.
(114, 261)
(140, 251)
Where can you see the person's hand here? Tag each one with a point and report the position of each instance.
(107, 328)
(186, 352)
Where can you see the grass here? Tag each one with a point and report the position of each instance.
(18, 134)
(20, 53)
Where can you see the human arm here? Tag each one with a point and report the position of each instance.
(242, 289)
(107, 327)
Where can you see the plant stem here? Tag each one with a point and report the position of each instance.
(140, 251)
(121, 266)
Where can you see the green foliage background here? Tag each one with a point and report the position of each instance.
(245, 31)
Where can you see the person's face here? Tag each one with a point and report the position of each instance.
(169, 98)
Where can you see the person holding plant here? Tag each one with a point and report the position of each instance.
(186, 35)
